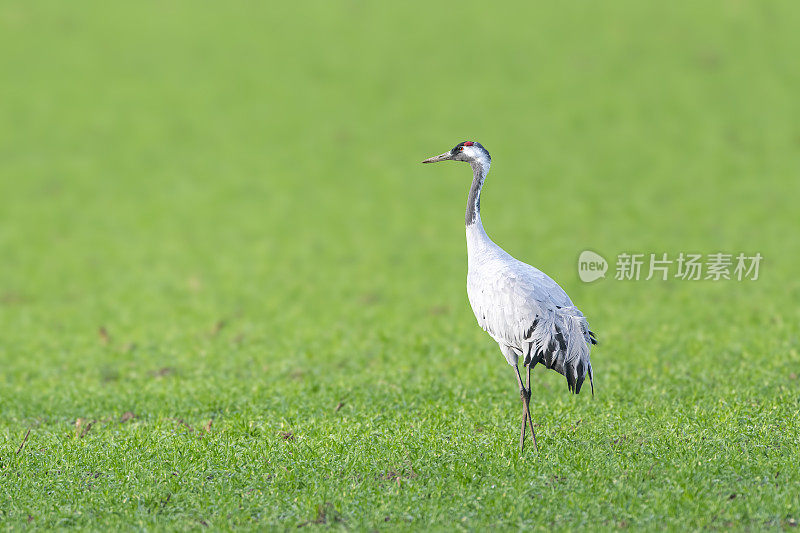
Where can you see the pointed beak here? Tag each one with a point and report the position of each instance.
(441, 157)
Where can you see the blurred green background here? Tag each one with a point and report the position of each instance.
(217, 212)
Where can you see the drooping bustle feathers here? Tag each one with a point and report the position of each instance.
(560, 341)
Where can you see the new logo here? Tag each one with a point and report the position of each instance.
(591, 266)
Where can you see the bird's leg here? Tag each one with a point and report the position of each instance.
(522, 431)
(529, 383)
(525, 413)
(525, 403)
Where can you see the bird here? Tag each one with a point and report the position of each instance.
(527, 313)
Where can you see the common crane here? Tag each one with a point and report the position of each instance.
(520, 307)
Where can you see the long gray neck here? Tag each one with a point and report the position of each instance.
(479, 171)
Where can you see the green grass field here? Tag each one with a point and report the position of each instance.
(230, 295)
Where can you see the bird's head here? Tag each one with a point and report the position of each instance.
(467, 151)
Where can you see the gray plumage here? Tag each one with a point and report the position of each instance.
(523, 309)
(526, 312)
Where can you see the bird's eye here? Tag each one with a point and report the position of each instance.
(460, 148)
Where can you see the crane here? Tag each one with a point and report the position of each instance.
(519, 306)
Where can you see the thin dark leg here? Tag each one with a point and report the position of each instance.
(525, 414)
(530, 388)
(525, 402)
